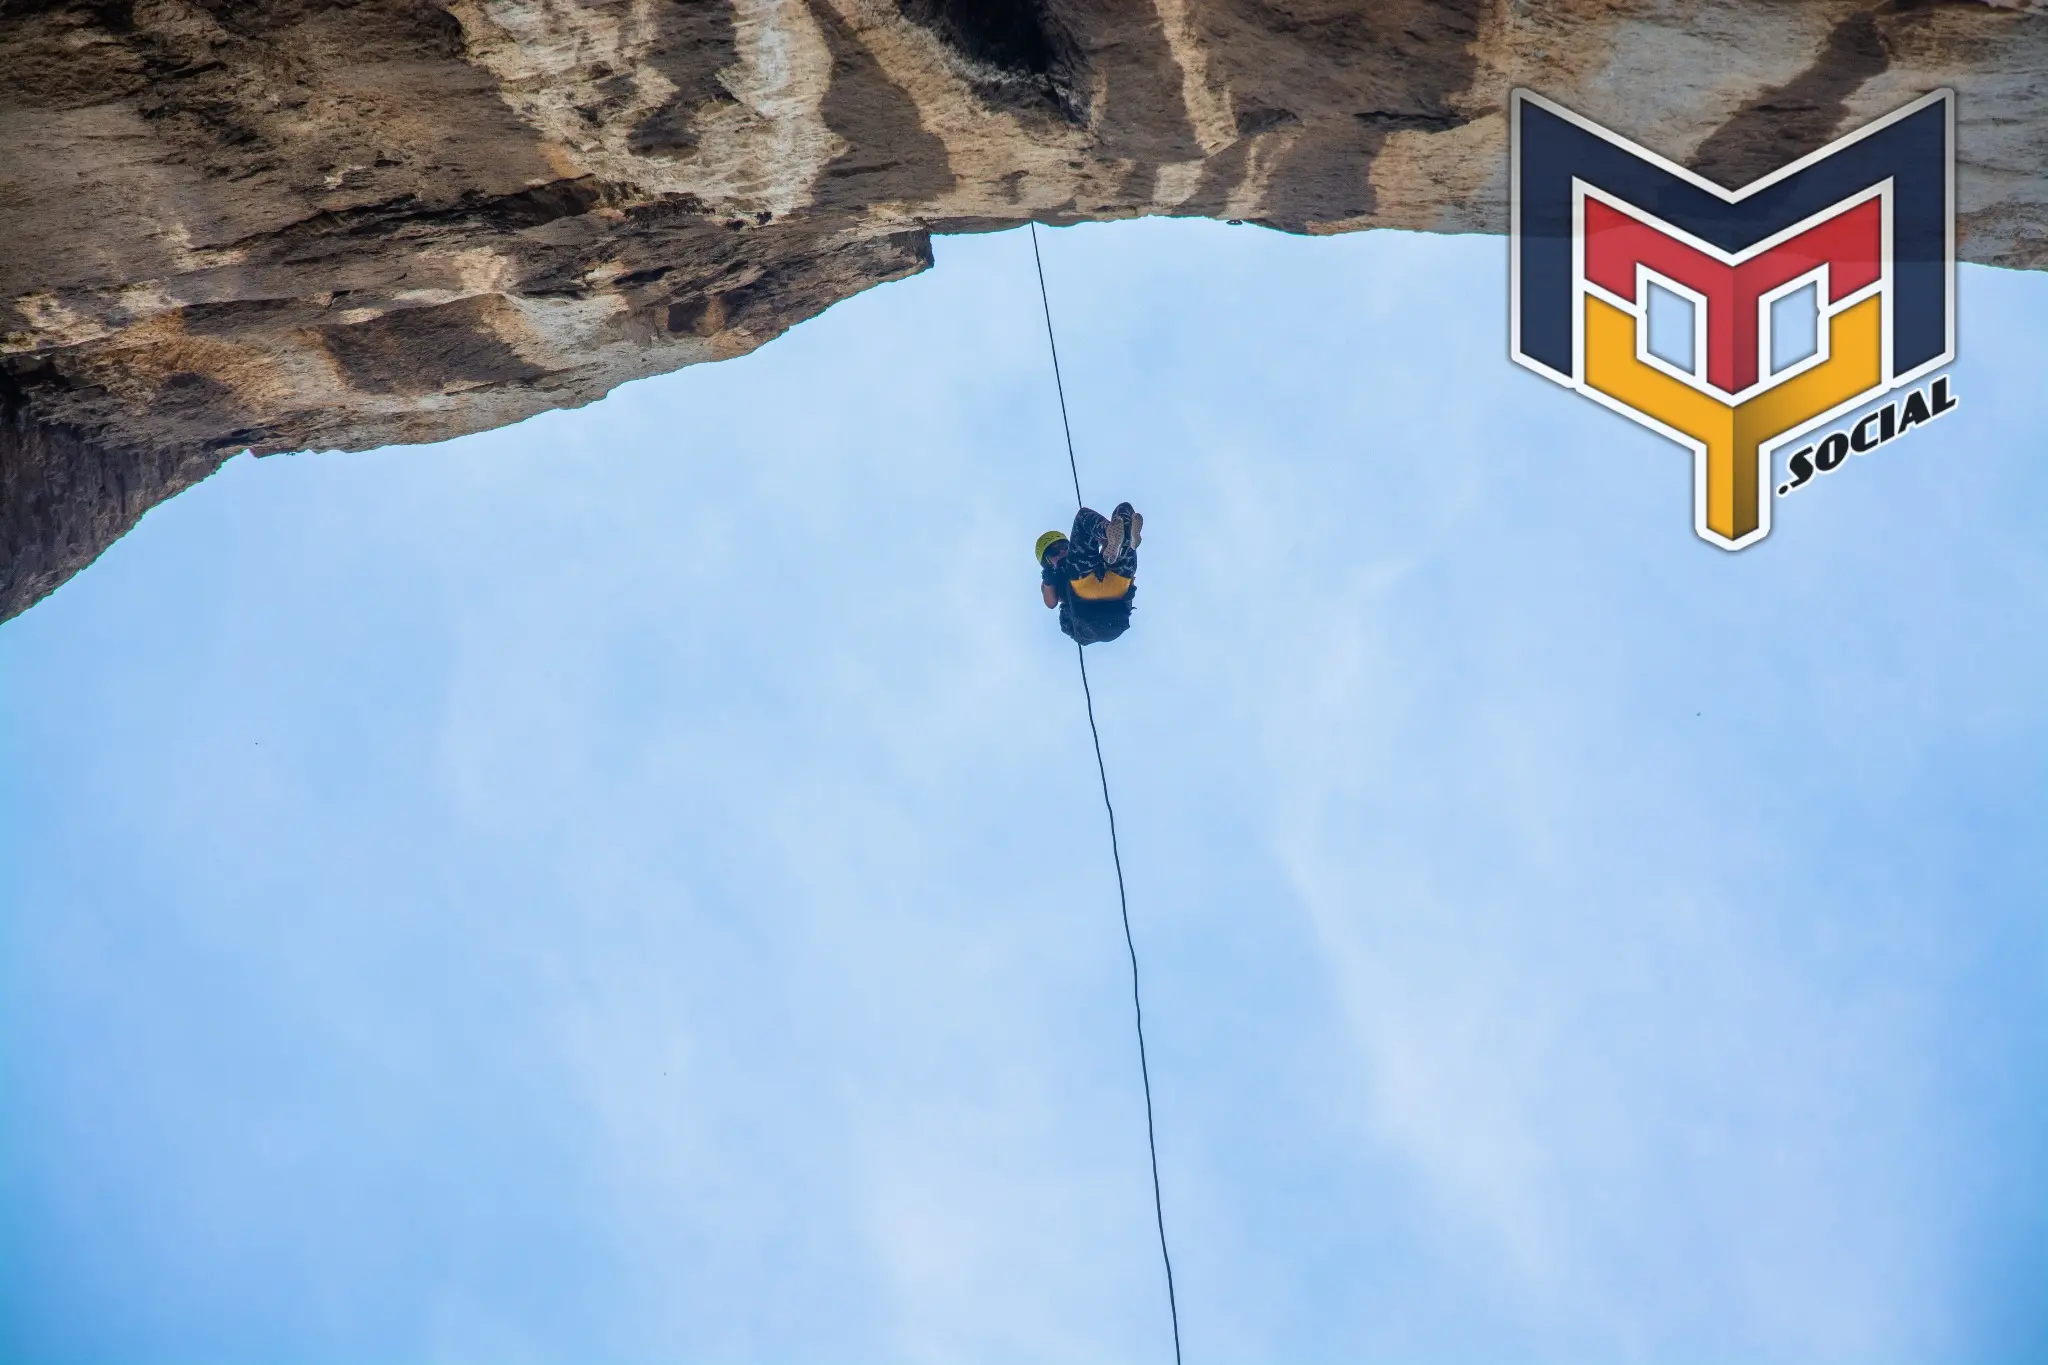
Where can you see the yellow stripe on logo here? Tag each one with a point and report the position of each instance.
(1733, 436)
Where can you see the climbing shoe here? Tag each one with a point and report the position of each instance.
(1125, 527)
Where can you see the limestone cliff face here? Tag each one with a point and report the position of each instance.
(282, 224)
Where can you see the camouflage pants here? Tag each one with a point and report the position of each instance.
(1090, 531)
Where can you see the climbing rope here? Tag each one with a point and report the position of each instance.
(1046, 303)
(1115, 851)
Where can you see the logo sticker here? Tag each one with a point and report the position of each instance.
(1735, 321)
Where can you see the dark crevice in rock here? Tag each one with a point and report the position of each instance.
(1010, 35)
(635, 278)
(1015, 52)
(1394, 122)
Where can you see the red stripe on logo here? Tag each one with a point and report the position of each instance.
(1851, 244)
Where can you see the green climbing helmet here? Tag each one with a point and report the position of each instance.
(1047, 541)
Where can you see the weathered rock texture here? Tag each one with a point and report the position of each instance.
(281, 224)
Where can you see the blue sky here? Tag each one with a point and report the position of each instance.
(630, 887)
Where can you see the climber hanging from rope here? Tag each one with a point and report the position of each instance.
(1090, 573)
